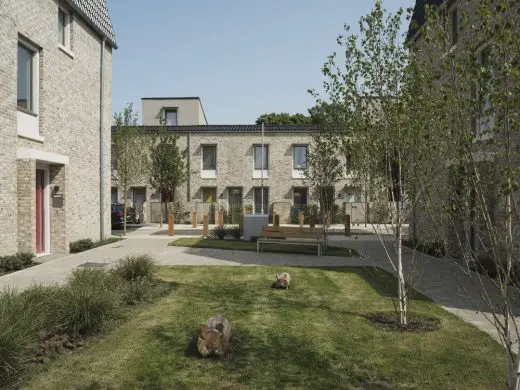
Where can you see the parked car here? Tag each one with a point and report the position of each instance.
(117, 216)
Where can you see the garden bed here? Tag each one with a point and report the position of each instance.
(17, 262)
(87, 244)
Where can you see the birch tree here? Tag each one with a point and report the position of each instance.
(129, 153)
(369, 86)
(472, 93)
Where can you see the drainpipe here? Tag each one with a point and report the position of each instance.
(188, 167)
(101, 144)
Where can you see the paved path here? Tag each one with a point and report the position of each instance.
(443, 282)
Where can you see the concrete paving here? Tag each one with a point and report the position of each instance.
(445, 283)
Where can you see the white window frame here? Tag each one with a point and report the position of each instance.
(67, 45)
(208, 173)
(261, 173)
(355, 194)
(299, 173)
(27, 120)
(266, 200)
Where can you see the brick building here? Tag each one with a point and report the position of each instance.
(226, 169)
(55, 115)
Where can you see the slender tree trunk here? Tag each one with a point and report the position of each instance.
(125, 191)
(403, 299)
(512, 368)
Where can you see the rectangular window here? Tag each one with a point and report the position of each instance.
(259, 165)
(64, 20)
(261, 198)
(454, 26)
(209, 157)
(300, 157)
(352, 194)
(25, 78)
(170, 117)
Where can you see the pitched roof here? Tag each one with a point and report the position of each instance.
(419, 16)
(236, 128)
(95, 12)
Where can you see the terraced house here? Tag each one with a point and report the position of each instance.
(55, 116)
(234, 168)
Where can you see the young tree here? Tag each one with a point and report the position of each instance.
(471, 90)
(369, 93)
(129, 154)
(168, 169)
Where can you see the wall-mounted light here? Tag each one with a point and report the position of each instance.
(55, 189)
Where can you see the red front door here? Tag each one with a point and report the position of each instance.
(40, 211)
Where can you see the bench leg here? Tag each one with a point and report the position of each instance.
(319, 249)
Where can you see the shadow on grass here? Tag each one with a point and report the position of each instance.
(267, 359)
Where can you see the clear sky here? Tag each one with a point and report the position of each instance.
(241, 57)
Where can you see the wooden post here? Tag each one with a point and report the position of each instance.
(220, 219)
(193, 218)
(312, 221)
(347, 225)
(205, 226)
(276, 220)
(171, 230)
(302, 217)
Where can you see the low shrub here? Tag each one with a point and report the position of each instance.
(86, 243)
(81, 245)
(11, 263)
(138, 290)
(134, 266)
(26, 258)
(219, 232)
(90, 299)
(234, 232)
(432, 248)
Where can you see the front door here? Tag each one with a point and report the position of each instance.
(209, 198)
(40, 211)
(235, 203)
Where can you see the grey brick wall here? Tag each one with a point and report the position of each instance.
(26, 188)
(8, 167)
(235, 169)
(68, 116)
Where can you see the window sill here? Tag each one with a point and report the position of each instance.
(66, 50)
(298, 174)
(26, 111)
(207, 174)
(36, 138)
(257, 174)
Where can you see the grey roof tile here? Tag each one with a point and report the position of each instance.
(95, 12)
(237, 128)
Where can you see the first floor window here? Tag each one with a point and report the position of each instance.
(261, 195)
(261, 157)
(209, 157)
(25, 78)
(300, 156)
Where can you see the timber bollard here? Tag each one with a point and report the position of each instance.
(276, 220)
(205, 226)
(220, 219)
(171, 221)
(193, 218)
(347, 225)
(301, 219)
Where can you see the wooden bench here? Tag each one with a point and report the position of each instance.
(284, 235)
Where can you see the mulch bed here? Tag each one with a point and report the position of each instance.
(416, 323)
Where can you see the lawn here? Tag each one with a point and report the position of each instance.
(314, 335)
(199, 242)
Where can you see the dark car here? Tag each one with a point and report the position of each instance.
(117, 216)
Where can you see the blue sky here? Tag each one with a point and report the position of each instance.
(241, 57)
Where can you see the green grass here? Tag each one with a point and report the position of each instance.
(199, 242)
(314, 335)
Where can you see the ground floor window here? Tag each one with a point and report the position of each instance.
(352, 194)
(113, 195)
(261, 199)
(300, 196)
